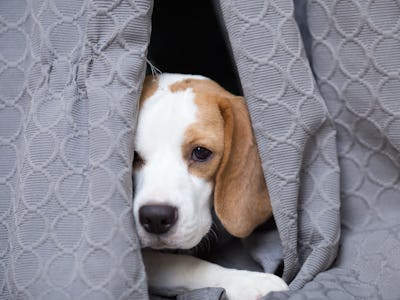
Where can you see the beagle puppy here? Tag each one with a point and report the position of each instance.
(194, 152)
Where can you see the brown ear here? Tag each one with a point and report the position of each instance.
(241, 197)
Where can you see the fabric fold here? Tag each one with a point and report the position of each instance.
(325, 116)
(295, 136)
(70, 82)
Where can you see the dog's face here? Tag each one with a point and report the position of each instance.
(186, 149)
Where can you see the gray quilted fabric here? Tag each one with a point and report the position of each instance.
(295, 136)
(327, 122)
(70, 77)
(354, 50)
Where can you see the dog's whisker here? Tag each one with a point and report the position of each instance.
(154, 70)
(208, 244)
(213, 234)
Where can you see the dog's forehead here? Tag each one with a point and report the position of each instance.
(171, 83)
(168, 81)
(165, 83)
(166, 113)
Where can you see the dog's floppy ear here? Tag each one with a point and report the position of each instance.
(241, 199)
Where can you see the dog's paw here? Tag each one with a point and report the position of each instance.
(241, 285)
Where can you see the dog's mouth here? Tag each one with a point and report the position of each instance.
(158, 242)
(202, 247)
(158, 245)
(170, 240)
(173, 242)
(215, 236)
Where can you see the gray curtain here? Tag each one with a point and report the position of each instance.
(70, 78)
(325, 113)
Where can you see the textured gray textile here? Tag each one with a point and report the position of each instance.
(329, 138)
(354, 49)
(70, 77)
(293, 131)
(200, 294)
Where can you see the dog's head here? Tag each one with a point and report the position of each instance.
(194, 149)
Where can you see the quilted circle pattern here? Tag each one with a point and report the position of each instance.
(389, 9)
(387, 55)
(9, 37)
(291, 124)
(73, 191)
(354, 49)
(67, 106)
(9, 77)
(66, 147)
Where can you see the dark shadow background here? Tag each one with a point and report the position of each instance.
(188, 38)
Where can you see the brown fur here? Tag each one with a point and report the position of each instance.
(241, 197)
(207, 132)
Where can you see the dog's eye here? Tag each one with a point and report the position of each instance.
(201, 154)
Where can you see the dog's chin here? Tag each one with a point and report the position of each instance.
(159, 243)
(175, 239)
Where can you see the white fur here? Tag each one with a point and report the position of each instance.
(166, 271)
(166, 80)
(164, 178)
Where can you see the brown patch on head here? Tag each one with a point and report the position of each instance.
(150, 86)
(241, 198)
(207, 132)
(200, 86)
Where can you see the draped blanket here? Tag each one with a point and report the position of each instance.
(321, 79)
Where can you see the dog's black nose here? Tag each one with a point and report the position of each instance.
(158, 219)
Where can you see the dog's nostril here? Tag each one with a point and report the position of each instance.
(157, 219)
